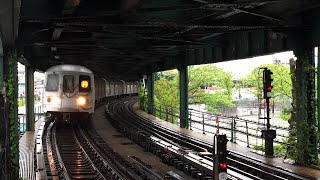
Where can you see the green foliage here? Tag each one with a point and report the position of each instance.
(282, 83)
(142, 98)
(167, 87)
(10, 87)
(21, 102)
(279, 150)
(303, 146)
(285, 113)
(259, 147)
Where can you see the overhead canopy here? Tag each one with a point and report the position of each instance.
(124, 39)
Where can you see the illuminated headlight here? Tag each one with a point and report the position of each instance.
(53, 100)
(81, 101)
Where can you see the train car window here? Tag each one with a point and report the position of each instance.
(84, 83)
(68, 83)
(52, 82)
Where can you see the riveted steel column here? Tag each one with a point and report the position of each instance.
(150, 88)
(3, 116)
(305, 106)
(318, 103)
(29, 99)
(183, 75)
(1, 66)
(11, 111)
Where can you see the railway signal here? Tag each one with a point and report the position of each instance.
(221, 157)
(268, 134)
(267, 83)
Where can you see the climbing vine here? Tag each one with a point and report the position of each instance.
(303, 133)
(10, 85)
(143, 98)
(292, 152)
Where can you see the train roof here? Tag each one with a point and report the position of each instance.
(69, 68)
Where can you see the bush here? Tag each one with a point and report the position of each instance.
(21, 102)
(285, 113)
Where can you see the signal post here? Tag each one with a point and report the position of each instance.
(269, 134)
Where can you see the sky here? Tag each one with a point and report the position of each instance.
(241, 67)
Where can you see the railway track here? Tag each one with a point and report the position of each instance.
(174, 148)
(76, 151)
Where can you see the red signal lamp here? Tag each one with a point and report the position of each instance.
(223, 165)
(269, 88)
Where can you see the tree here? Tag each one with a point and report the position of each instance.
(167, 87)
(282, 85)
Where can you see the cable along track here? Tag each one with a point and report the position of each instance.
(121, 115)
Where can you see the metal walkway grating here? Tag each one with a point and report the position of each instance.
(26, 153)
(26, 149)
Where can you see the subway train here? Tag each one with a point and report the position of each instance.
(72, 91)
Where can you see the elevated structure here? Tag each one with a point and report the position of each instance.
(126, 39)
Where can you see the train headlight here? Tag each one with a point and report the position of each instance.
(81, 101)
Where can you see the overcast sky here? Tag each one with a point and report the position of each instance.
(241, 67)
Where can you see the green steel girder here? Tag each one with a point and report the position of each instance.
(30, 122)
(162, 30)
(150, 89)
(1, 66)
(237, 45)
(183, 84)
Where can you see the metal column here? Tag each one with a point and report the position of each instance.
(318, 73)
(305, 106)
(1, 66)
(29, 99)
(183, 75)
(3, 116)
(150, 88)
(11, 114)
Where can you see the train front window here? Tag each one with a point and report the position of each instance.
(85, 83)
(68, 84)
(52, 82)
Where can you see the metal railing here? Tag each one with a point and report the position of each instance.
(210, 123)
(38, 113)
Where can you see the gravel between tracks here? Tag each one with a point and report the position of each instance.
(125, 147)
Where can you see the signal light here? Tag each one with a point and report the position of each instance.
(222, 152)
(267, 80)
(223, 165)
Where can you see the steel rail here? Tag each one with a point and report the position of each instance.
(269, 170)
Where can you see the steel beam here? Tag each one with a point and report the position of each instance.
(150, 88)
(29, 88)
(183, 75)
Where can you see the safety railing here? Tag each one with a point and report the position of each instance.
(236, 129)
(38, 113)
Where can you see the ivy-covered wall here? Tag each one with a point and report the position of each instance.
(303, 131)
(10, 83)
